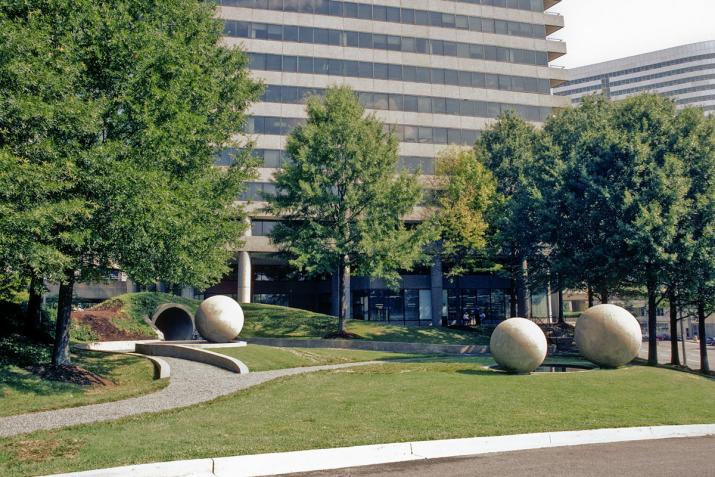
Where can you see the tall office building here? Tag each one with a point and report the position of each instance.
(437, 71)
(684, 73)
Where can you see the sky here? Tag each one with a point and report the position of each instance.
(601, 30)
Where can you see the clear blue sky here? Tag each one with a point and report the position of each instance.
(601, 30)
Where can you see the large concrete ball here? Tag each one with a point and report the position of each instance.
(219, 319)
(518, 345)
(608, 335)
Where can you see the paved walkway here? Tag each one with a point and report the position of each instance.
(190, 383)
(692, 350)
(656, 458)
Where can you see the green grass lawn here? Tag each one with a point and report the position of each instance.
(22, 391)
(266, 358)
(269, 321)
(435, 399)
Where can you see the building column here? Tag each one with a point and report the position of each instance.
(244, 277)
(436, 288)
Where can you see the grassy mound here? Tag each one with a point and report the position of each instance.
(124, 317)
(126, 314)
(269, 321)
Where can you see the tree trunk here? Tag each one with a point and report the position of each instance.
(674, 356)
(345, 295)
(590, 296)
(61, 351)
(522, 293)
(604, 296)
(652, 323)
(704, 364)
(33, 317)
(561, 306)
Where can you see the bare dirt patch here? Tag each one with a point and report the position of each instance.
(69, 373)
(41, 450)
(101, 322)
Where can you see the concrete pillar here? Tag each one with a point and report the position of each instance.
(244, 277)
(436, 288)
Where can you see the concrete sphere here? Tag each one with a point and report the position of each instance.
(219, 319)
(608, 335)
(518, 345)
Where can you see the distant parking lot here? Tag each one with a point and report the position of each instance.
(692, 351)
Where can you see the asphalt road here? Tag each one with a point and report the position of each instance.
(656, 458)
(692, 351)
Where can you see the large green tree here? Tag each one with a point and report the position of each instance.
(114, 110)
(653, 184)
(341, 200)
(509, 149)
(692, 273)
(464, 199)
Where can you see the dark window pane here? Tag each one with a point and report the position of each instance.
(290, 64)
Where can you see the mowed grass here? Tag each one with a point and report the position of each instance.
(266, 358)
(435, 399)
(22, 392)
(270, 321)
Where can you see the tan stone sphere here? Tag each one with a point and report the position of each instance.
(518, 345)
(219, 319)
(608, 335)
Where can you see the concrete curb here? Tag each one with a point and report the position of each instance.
(113, 346)
(162, 369)
(192, 353)
(338, 458)
(386, 346)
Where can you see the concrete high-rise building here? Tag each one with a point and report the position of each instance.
(438, 71)
(684, 73)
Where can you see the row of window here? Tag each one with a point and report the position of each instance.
(327, 36)
(405, 133)
(665, 84)
(277, 158)
(387, 71)
(637, 69)
(640, 79)
(533, 5)
(411, 103)
(257, 191)
(408, 16)
(698, 99)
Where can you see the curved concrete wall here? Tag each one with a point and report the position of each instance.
(192, 354)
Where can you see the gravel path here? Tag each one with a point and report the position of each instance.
(191, 383)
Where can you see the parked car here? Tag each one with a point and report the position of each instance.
(663, 337)
(710, 340)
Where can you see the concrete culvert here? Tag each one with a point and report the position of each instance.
(175, 321)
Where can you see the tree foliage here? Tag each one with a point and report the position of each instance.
(111, 113)
(465, 200)
(342, 202)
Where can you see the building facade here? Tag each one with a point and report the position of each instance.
(436, 71)
(684, 73)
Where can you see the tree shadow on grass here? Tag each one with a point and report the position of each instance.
(16, 380)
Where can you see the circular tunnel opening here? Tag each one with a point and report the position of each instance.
(175, 323)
